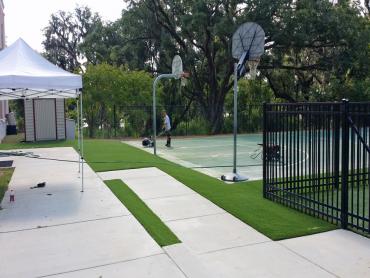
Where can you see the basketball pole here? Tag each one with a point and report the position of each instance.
(159, 77)
(235, 113)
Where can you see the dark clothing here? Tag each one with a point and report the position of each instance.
(168, 134)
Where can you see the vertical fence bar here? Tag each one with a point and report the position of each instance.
(264, 149)
(331, 142)
(337, 156)
(345, 165)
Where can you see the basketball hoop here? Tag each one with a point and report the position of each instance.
(253, 64)
(184, 78)
(248, 44)
(177, 66)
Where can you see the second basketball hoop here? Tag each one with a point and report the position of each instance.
(248, 46)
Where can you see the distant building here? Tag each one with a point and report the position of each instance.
(2, 27)
(4, 107)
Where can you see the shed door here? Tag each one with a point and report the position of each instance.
(45, 123)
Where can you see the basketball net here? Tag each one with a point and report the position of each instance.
(253, 64)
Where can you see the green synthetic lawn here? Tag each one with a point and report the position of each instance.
(150, 221)
(243, 200)
(44, 144)
(5, 176)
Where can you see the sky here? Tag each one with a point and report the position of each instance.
(27, 18)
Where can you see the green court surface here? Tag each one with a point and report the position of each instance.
(213, 155)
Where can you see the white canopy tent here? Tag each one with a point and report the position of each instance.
(25, 74)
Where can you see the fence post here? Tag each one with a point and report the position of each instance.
(264, 149)
(336, 122)
(345, 164)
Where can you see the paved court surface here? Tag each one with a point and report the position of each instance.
(59, 231)
(212, 155)
(223, 246)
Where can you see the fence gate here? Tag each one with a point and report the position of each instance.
(317, 160)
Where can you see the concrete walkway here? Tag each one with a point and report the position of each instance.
(59, 231)
(222, 246)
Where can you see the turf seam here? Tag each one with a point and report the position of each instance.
(102, 265)
(65, 224)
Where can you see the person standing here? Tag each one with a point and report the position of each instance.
(12, 196)
(167, 128)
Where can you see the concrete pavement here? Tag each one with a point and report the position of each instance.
(59, 231)
(226, 247)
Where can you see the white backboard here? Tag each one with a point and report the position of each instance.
(248, 37)
(177, 66)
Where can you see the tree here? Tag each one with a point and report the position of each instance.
(64, 35)
(314, 49)
(306, 43)
(317, 41)
(132, 41)
(108, 91)
(199, 31)
(101, 84)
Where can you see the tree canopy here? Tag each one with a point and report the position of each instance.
(315, 50)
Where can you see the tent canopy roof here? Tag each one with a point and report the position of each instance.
(26, 74)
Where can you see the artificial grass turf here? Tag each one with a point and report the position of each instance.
(42, 144)
(150, 221)
(5, 176)
(243, 200)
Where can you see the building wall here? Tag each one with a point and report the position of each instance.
(2, 25)
(4, 107)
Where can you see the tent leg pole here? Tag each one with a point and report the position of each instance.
(78, 136)
(82, 145)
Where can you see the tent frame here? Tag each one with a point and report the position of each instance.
(25, 74)
(7, 94)
(80, 140)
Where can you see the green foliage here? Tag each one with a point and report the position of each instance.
(5, 176)
(251, 96)
(194, 126)
(17, 106)
(315, 50)
(64, 35)
(315, 44)
(108, 91)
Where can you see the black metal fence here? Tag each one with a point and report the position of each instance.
(317, 160)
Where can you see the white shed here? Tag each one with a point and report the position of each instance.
(44, 119)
